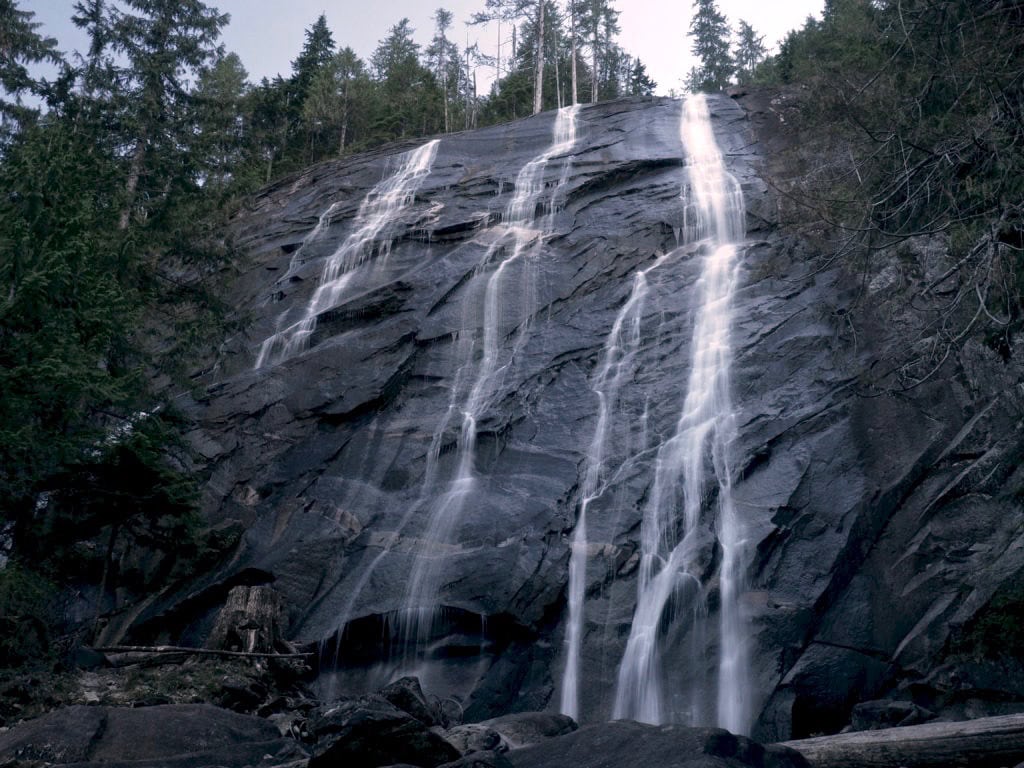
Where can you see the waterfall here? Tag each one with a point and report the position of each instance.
(382, 204)
(616, 366)
(703, 434)
(520, 235)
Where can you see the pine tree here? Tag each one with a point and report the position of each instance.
(440, 54)
(158, 46)
(220, 120)
(750, 51)
(20, 44)
(710, 33)
(640, 83)
(512, 11)
(409, 98)
(334, 98)
(599, 21)
(316, 54)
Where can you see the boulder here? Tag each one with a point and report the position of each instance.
(476, 737)
(370, 731)
(181, 735)
(406, 694)
(626, 743)
(521, 729)
(873, 715)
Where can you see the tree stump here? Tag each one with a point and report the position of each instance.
(252, 620)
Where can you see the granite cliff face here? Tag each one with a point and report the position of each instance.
(884, 531)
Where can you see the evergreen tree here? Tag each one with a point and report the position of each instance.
(160, 44)
(640, 83)
(750, 52)
(513, 11)
(20, 44)
(317, 53)
(710, 33)
(220, 120)
(336, 97)
(600, 20)
(441, 54)
(409, 102)
(268, 106)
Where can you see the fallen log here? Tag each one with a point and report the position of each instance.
(988, 742)
(157, 649)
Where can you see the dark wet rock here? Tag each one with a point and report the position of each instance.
(369, 731)
(476, 737)
(481, 760)
(525, 728)
(406, 694)
(882, 521)
(873, 715)
(65, 736)
(174, 735)
(620, 743)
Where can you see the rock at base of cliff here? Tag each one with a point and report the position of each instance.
(370, 731)
(612, 745)
(192, 735)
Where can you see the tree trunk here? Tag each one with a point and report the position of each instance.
(593, 71)
(558, 83)
(538, 86)
(105, 577)
(344, 124)
(572, 38)
(987, 742)
(253, 620)
(466, 116)
(134, 173)
(444, 79)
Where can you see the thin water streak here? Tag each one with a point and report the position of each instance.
(382, 205)
(518, 241)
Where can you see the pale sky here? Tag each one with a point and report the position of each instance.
(268, 34)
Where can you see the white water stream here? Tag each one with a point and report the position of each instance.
(702, 438)
(382, 204)
(522, 234)
(615, 369)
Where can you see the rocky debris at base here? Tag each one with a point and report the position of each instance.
(624, 743)
(170, 735)
(398, 726)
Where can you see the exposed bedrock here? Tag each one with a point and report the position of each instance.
(883, 528)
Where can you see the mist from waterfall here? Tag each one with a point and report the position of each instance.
(381, 206)
(670, 543)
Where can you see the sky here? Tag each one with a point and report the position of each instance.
(268, 34)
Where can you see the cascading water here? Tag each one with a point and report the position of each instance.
(615, 368)
(520, 236)
(706, 425)
(382, 204)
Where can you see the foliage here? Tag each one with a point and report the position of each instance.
(924, 106)
(317, 53)
(710, 33)
(750, 51)
(27, 610)
(110, 220)
(20, 45)
(639, 83)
